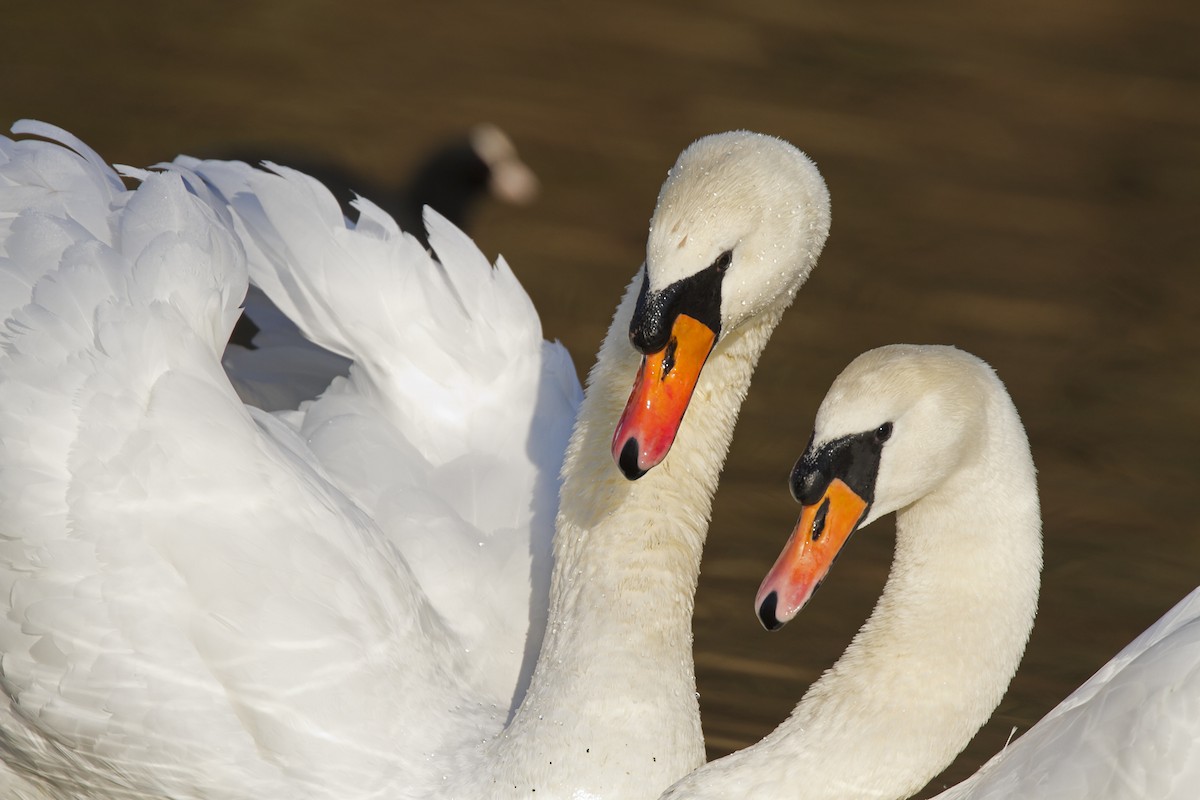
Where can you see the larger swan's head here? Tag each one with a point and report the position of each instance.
(894, 425)
(739, 224)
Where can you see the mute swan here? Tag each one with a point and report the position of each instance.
(204, 600)
(930, 432)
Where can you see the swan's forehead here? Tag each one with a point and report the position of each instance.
(849, 410)
(884, 384)
(704, 208)
(728, 191)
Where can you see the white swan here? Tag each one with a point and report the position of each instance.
(929, 432)
(204, 600)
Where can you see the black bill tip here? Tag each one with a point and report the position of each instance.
(766, 612)
(628, 462)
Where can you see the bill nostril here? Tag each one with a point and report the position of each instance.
(818, 526)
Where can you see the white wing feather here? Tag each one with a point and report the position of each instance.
(1129, 731)
(198, 600)
(450, 428)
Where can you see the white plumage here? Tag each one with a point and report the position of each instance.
(204, 600)
(450, 428)
(1131, 731)
(190, 588)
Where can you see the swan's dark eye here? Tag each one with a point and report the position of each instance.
(883, 432)
(723, 261)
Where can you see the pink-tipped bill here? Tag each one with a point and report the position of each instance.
(823, 528)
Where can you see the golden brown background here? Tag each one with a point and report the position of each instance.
(1020, 179)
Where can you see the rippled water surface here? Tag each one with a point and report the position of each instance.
(1022, 182)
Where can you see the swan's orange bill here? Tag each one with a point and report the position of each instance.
(823, 528)
(660, 395)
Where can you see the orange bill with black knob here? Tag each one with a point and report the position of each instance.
(824, 527)
(660, 397)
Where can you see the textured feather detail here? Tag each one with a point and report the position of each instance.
(184, 584)
(451, 425)
(199, 600)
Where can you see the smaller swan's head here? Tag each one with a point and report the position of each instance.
(895, 424)
(738, 227)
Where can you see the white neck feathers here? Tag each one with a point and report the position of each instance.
(614, 682)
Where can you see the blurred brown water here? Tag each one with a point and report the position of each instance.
(1021, 180)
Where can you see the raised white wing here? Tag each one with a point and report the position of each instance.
(1130, 731)
(451, 426)
(196, 604)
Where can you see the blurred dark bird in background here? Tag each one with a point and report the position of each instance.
(452, 179)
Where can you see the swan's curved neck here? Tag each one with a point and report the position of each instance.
(931, 664)
(614, 683)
